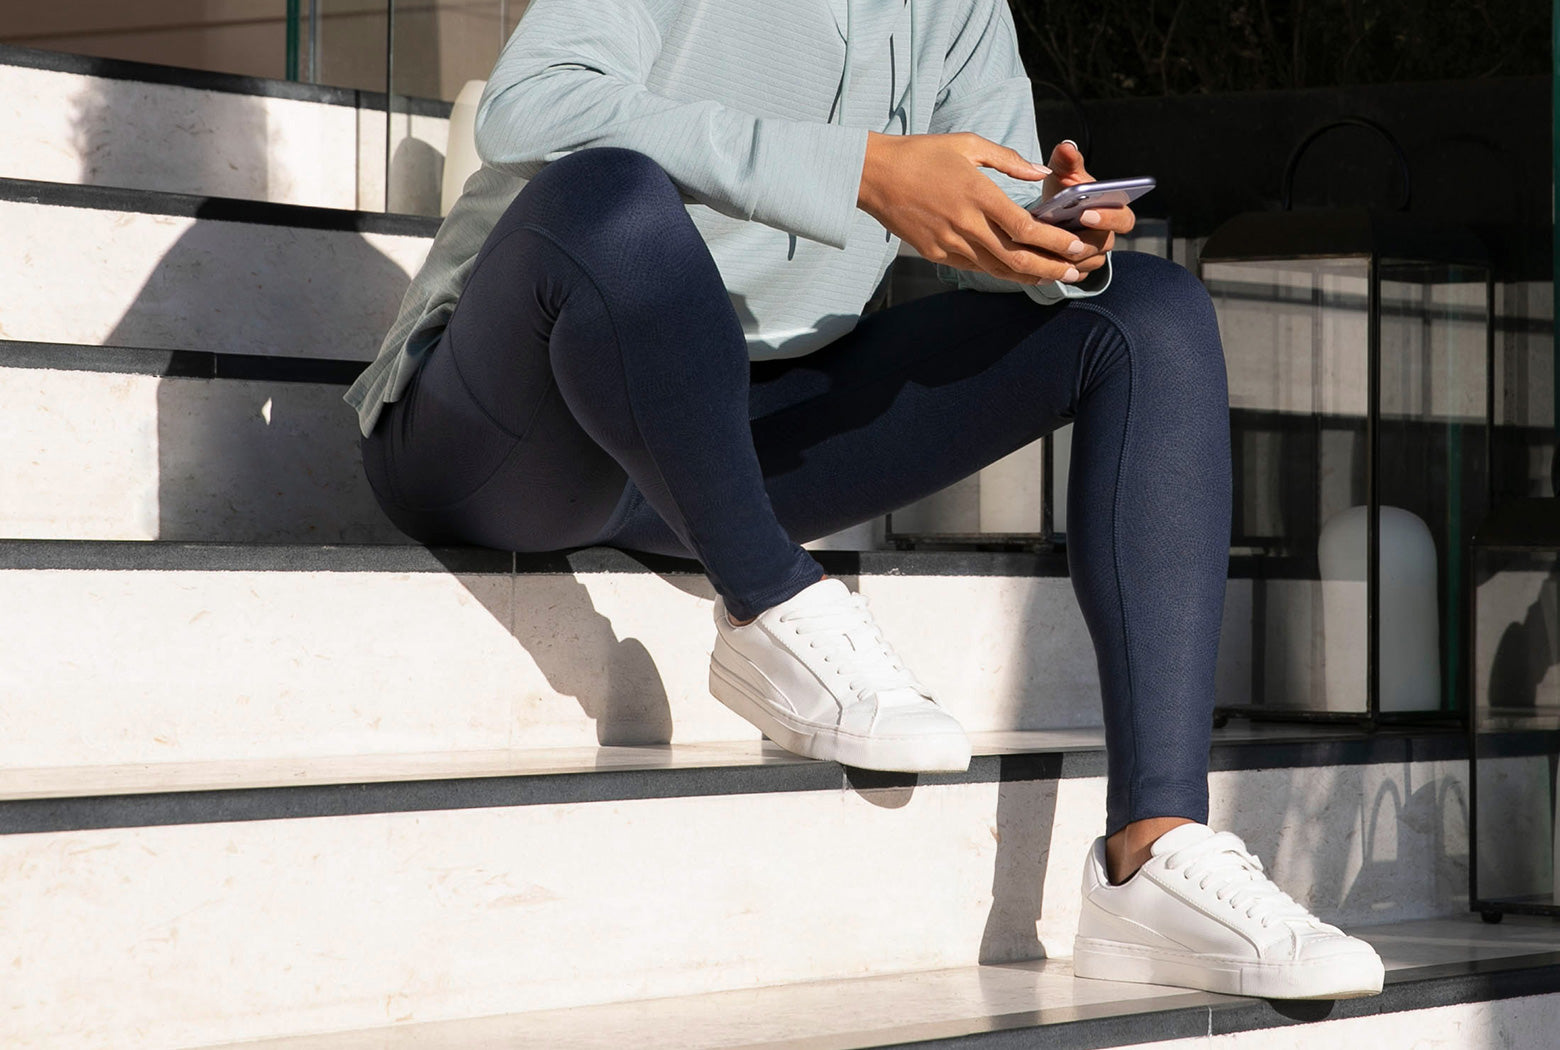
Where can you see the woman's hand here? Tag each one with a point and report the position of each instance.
(1104, 223)
(929, 191)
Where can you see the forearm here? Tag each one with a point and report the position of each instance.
(569, 82)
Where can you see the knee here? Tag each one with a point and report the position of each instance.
(609, 171)
(617, 195)
(1168, 319)
(1158, 295)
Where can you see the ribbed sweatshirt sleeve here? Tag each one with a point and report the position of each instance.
(574, 76)
(985, 90)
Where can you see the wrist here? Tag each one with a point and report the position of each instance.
(872, 171)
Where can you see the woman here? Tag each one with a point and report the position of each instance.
(656, 343)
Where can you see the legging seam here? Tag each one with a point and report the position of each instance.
(617, 342)
(455, 361)
(536, 413)
(1115, 536)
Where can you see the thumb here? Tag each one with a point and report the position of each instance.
(1066, 158)
(1067, 167)
(989, 154)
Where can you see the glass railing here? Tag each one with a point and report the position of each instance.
(408, 59)
(425, 49)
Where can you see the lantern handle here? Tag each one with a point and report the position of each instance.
(1086, 135)
(1293, 163)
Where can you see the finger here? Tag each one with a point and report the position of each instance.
(969, 258)
(1067, 167)
(989, 154)
(1092, 263)
(1099, 242)
(1114, 220)
(1023, 228)
(1066, 157)
(997, 267)
(997, 248)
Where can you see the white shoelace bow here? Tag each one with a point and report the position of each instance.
(849, 638)
(1221, 863)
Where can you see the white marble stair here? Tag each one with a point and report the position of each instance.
(96, 266)
(74, 119)
(175, 653)
(237, 903)
(126, 444)
(1451, 985)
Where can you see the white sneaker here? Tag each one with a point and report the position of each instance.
(815, 674)
(1201, 914)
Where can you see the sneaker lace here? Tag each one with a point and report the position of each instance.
(1221, 865)
(849, 638)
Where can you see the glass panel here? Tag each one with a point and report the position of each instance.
(1433, 441)
(1295, 343)
(248, 37)
(351, 47)
(1516, 718)
(440, 45)
(441, 51)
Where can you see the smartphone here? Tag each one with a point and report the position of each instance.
(1070, 203)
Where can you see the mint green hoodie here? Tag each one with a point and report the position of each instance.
(759, 111)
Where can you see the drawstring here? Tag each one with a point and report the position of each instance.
(908, 110)
(839, 109)
(910, 77)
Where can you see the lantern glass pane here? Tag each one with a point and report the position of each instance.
(1516, 722)
(1295, 335)
(1433, 438)
(1148, 235)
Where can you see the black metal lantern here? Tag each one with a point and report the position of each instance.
(1359, 345)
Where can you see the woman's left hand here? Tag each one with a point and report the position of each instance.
(1100, 224)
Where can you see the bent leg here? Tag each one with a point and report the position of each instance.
(925, 393)
(594, 341)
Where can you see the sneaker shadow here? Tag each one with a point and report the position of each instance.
(1304, 1010)
(1026, 814)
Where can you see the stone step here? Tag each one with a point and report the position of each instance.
(175, 652)
(1506, 996)
(248, 913)
(123, 444)
(103, 122)
(109, 267)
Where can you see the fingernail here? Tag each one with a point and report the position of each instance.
(1089, 218)
(1071, 274)
(1041, 168)
(1077, 248)
(1074, 145)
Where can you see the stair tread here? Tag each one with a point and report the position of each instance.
(164, 555)
(1428, 962)
(1237, 745)
(215, 208)
(211, 80)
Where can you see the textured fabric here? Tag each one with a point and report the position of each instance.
(593, 388)
(759, 113)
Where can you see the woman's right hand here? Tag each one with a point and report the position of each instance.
(929, 191)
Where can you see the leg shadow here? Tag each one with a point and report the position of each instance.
(1026, 815)
(614, 679)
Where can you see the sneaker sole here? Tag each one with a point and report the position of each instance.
(923, 753)
(1333, 979)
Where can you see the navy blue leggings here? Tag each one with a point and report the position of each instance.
(593, 387)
